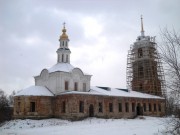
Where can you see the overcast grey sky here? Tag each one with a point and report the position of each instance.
(100, 33)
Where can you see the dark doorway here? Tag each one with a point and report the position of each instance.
(32, 106)
(139, 109)
(91, 111)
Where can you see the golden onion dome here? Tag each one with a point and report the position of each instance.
(64, 36)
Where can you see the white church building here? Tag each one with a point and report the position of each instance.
(63, 76)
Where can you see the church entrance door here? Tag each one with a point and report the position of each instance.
(91, 111)
(139, 109)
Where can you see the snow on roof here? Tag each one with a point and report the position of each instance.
(79, 92)
(112, 92)
(122, 93)
(65, 67)
(35, 91)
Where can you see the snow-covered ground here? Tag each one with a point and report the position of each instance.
(90, 126)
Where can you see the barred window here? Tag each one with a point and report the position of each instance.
(144, 106)
(159, 106)
(127, 107)
(154, 107)
(100, 107)
(150, 109)
(120, 107)
(81, 106)
(110, 107)
(133, 107)
(63, 107)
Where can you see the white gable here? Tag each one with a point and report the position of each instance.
(64, 67)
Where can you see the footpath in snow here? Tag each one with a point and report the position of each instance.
(90, 126)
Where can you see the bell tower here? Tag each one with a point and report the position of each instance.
(144, 68)
(63, 52)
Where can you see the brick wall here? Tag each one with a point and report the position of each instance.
(72, 104)
(79, 106)
(41, 107)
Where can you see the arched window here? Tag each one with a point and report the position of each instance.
(62, 57)
(62, 43)
(66, 85)
(140, 87)
(76, 86)
(140, 53)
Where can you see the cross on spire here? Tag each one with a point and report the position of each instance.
(64, 24)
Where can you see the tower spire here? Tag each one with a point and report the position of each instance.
(142, 28)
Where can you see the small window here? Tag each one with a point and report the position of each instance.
(154, 107)
(127, 107)
(159, 107)
(19, 107)
(63, 107)
(84, 86)
(81, 106)
(100, 107)
(120, 107)
(150, 109)
(150, 53)
(141, 71)
(133, 107)
(32, 106)
(75, 86)
(19, 104)
(144, 106)
(66, 85)
(110, 107)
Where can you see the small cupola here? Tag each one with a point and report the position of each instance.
(63, 50)
(64, 36)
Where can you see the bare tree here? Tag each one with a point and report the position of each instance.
(6, 111)
(3, 100)
(11, 98)
(170, 54)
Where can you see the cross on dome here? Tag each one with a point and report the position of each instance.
(64, 36)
